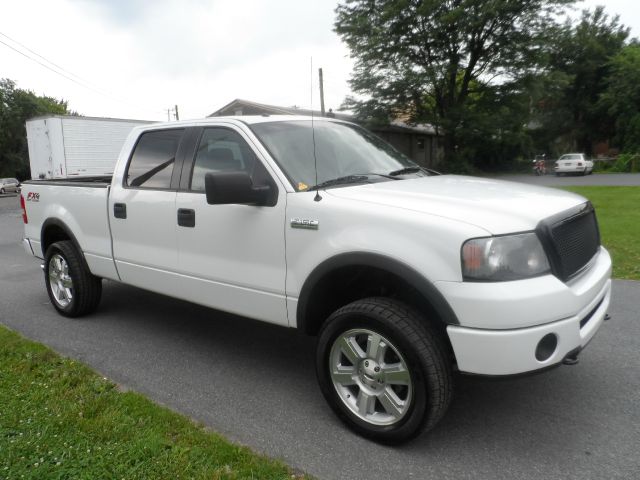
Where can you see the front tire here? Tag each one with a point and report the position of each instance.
(383, 370)
(72, 289)
(1, 191)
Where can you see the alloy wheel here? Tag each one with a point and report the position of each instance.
(60, 280)
(371, 376)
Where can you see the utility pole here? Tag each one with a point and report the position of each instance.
(321, 92)
(173, 111)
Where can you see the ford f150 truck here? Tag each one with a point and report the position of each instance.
(404, 275)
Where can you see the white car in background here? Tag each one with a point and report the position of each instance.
(574, 163)
(9, 185)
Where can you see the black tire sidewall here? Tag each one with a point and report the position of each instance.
(412, 421)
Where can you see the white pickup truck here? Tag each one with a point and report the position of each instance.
(405, 276)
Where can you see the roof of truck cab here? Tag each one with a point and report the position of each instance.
(246, 119)
(253, 119)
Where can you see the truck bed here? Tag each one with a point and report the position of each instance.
(79, 207)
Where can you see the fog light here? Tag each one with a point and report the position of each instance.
(546, 347)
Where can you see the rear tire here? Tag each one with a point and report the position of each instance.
(72, 289)
(383, 370)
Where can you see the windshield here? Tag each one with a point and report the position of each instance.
(571, 156)
(342, 150)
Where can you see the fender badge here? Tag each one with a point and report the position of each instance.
(305, 223)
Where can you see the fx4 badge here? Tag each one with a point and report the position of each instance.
(33, 197)
(304, 223)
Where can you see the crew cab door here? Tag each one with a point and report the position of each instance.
(142, 211)
(232, 257)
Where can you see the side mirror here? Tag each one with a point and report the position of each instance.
(235, 187)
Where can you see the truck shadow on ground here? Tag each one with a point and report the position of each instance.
(497, 416)
(208, 330)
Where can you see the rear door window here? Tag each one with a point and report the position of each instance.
(153, 159)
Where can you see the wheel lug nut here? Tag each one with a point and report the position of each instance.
(366, 364)
(377, 369)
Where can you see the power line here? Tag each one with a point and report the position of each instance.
(81, 83)
(43, 58)
(48, 67)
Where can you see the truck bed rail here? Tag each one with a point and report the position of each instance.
(96, 182)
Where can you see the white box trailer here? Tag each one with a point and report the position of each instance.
(62, 146)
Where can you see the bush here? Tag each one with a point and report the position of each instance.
(627, 162)
(602, 165)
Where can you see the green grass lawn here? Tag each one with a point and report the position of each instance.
(59, 420)
(618, 211)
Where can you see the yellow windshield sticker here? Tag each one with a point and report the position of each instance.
(302, 186)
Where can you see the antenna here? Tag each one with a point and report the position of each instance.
(321, 92)
(317, 198)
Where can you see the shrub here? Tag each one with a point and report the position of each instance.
(627, 162)
(602, 165)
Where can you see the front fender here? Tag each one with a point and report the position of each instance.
(428, 291)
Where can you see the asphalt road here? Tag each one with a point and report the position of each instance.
(255, 384)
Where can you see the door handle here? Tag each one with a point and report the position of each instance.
(186, 217)
(120, 210)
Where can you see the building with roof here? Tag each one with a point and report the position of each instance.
(418, 142)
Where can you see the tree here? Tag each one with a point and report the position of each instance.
(621, 98)
(17, 106)
(578, 64)
(427, 59)
(495, 126)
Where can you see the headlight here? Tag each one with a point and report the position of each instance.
(510, 257)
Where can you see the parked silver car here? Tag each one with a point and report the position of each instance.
(9, 185)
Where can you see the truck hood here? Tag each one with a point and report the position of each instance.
(496, 206)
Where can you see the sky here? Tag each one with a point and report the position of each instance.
(138, 58)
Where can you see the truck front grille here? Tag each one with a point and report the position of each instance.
(572, 240)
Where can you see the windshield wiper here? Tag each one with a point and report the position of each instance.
(404, 170)
(340, 181)
(353, 178)
(385, 175)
